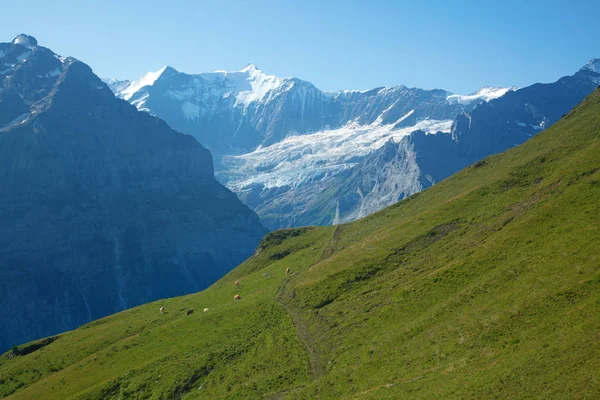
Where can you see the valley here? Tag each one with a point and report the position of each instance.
(483, 285)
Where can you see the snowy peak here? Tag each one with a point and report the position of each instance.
(250, 69)
(593, 66)
(261, 84)
(491, 92)
(16, 51)
(147, 80)
(486, 93)
(25, 40)
(246, 86)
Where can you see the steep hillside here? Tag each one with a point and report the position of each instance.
(486, 285)
(102, 207)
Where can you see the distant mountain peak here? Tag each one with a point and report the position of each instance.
(250, 68)
(593, 65)
(146, 80)
(25, 40)
(247, 85)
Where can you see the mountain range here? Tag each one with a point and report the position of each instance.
(102, 207)
(300, 156)
(485, 285)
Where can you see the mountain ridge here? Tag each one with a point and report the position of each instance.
(288, 155)
(276, 87)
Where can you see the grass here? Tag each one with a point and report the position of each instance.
(486, 285)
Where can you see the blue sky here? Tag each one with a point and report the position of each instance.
(455, 45)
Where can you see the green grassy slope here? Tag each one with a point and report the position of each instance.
(486, 285)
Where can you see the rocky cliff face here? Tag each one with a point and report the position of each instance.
(102, 207)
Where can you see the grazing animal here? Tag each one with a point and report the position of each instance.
(236, 283)
(162, 310)
(189, 312)
(288, 271)
(206, 309)
(237, 297)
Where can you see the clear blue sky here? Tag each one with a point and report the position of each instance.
(455, 45)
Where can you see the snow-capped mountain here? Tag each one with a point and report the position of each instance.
(593, 66)
(282, 144)
(418, 160)
(280, 134)
(235, 112)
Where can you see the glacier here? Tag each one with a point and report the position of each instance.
(299, 159)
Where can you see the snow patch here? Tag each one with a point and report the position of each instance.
(593, 65)
(484, 94)
(408, 114)
(348, 91)
(20, 119)
(25, 40)
(139, 103)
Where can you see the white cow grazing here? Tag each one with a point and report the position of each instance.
(206, 309)
(162, 310)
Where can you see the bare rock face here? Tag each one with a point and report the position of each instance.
(102, 207)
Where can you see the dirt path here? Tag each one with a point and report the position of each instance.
(317, 366)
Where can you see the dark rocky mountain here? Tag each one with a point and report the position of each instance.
(102, 207)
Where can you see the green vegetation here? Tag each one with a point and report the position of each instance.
(486, 285)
